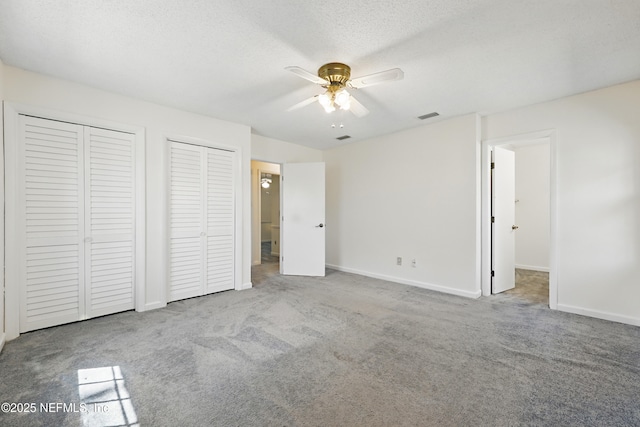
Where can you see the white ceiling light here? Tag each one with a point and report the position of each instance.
(343, 99)
(265, 181)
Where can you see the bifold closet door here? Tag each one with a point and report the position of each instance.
(201, 217)
(76, 223)
(185, 219)
(50, 223)
(110, 221)
(220, 221)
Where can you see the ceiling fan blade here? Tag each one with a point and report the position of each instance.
(306, 75)
(303, 103)
(377, 78)
(358, 109)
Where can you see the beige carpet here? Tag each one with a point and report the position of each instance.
(532, 288)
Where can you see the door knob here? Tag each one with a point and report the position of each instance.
(514, 227)
(320, 225)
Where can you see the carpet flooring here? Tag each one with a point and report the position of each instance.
(343, 350)
(532, 288)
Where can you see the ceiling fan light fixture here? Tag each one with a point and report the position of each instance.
(342, 98)
(324, 100)
(329, 108)
(335, 78)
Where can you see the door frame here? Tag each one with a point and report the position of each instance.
(12, 112)
(546, 136)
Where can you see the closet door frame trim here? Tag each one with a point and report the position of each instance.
(237, 171)
(12, 112)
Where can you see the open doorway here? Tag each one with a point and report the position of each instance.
(530, 262)
(265, 213)
(531, 221)
(269, 218)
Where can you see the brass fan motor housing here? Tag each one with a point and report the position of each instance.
(336, 73)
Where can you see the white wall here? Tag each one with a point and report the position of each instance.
(412, 194)
(160, 122)
(532, 207)
(276, 151)
(598, 195)
(2, 329)
(272, 153)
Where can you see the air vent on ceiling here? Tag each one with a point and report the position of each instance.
(428, 116)
(343, 137)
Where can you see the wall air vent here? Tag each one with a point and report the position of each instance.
(343, 137)
(428, 116)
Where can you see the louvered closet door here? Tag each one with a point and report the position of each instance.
(50, 223)
(186, 246)
(76, 222)
(110, 221)
(220, 218)
(201, 221)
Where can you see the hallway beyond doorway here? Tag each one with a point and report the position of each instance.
(532, 288)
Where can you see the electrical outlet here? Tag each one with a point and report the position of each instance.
(399, 260)
(413, 263)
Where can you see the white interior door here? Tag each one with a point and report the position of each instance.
(220, 221)
(303, 227)
(186, 221)
(503, 226)
(110, 221)
(50, 223)
(76, 229)
(202, 221)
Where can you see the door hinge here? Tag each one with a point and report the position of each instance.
(493, 219)
(493, 165)
(493, 273)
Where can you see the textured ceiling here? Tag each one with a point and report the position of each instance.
(226, 58)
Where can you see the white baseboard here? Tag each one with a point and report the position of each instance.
(599, 314)
(424, 285)
(244, 286)
(2, 340)
(154, 305)
(532, 267)
(256, 263)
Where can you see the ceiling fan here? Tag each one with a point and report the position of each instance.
(335, 77)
